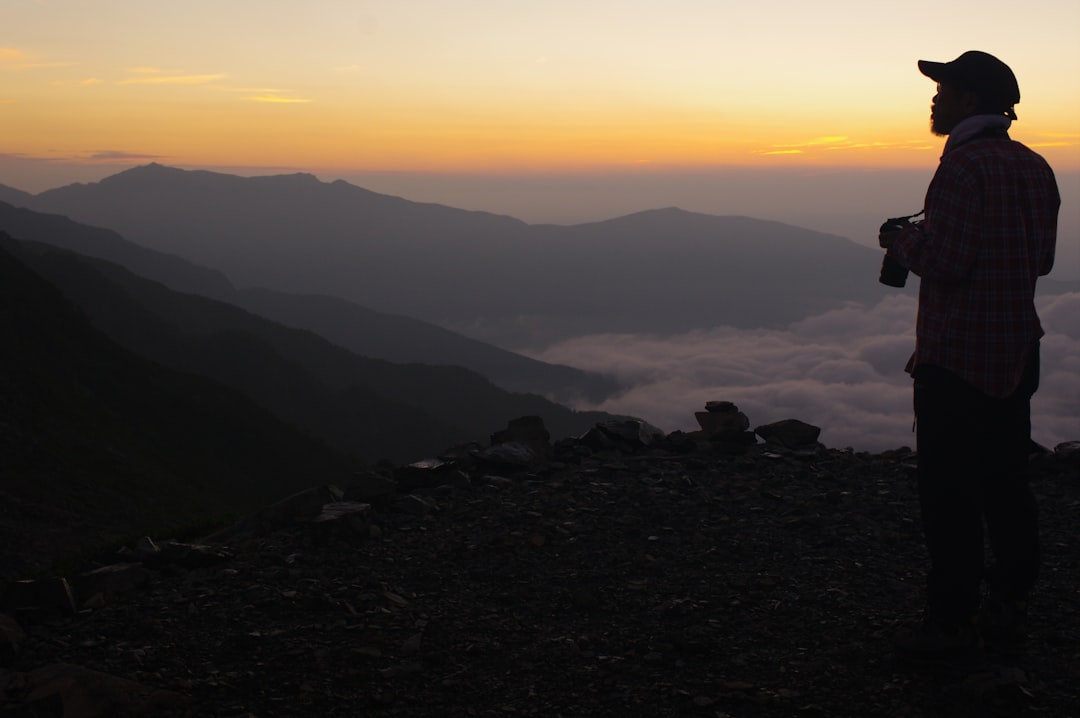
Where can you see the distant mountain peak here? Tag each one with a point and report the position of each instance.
(155, 172)
(153, 168)
(143, 173)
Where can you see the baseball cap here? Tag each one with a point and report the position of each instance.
(981, 73)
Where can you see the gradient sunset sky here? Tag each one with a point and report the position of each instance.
(512, 86)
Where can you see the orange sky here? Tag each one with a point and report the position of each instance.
(482, 85)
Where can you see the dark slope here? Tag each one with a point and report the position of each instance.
(369, 407)
(377, 335)
(404, 340)
(59, 231)
(14, 196)
(96, 442)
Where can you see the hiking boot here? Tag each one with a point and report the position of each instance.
(1002, 626)
(931, 644)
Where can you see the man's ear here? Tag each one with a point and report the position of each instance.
(969, 101)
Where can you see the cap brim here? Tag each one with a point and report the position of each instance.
(933, 70)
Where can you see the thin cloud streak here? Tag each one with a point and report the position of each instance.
(842, 371)
(275, 99)
(119, 155)
(173, 80)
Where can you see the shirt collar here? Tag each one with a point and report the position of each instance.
(969, 127)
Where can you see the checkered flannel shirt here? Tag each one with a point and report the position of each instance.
(989, 233)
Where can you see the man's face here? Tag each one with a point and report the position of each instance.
(948, 107)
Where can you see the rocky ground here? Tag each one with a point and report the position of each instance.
(610, 579)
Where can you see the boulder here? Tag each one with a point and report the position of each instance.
(342, 520)
(723, 424)
(789, 433)
(633, 433)
(721, 418)
(512, 455)
(424, 474)
(528, 430)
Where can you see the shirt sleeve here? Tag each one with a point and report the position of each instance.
(945, 245)
(1046, 259)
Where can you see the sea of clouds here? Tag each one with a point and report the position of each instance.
(842, 371)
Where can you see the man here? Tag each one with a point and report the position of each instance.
(989, 232)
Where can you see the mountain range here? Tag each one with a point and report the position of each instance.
(488, 276)
(366, 332)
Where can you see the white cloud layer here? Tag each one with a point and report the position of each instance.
(842, 371)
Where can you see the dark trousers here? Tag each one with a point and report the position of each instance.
(973, 453)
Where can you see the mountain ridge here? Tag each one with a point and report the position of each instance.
(378, 335)
(495, 278)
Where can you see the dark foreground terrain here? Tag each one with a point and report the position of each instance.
(613, 580)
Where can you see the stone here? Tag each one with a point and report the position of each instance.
(528, 430)
(725, 426)
(414, 505)
(47, 596)
(11, 638)
(1069, 452)
(509, 455)
(424, 474)
(721, 407)
(369, 487)
(596, 440)
(713, 423)
(680, 442)
(70, 691)
(145, 546)
(635, 432)
(109, 581)
(342, 520)
(789, 433)
(189, 556)
(297, 508)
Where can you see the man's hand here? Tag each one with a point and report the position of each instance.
(885, 239)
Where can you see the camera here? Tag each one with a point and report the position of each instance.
(893, 273)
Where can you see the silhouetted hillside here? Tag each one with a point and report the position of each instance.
(14, 196)
(59, 231)
(489, 276)
(97, 443)
(374, 334)
(404, 340)
(367, 407)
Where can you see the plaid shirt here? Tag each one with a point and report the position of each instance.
(989, 232)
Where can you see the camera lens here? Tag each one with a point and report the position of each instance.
(893, 274)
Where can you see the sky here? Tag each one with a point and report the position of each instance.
(509, 86)
(841, 371)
